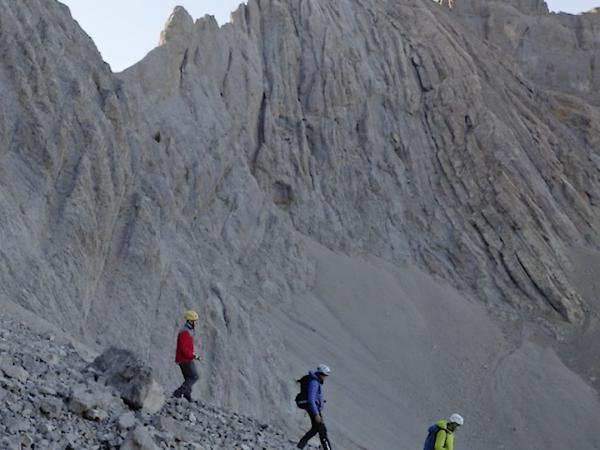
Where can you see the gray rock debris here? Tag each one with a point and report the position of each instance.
(95, 418)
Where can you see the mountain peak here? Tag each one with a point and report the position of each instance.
(179, 25)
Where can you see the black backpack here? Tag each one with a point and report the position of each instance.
(431, 436)
(302, 397)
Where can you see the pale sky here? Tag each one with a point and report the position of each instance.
(126, 30)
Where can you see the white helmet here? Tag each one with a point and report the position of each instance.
(323, 369)
(457, 419)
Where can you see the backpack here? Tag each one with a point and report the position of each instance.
(302, 397)
(432, 434)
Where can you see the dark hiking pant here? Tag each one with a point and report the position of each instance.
(190, 376)
(317, 428)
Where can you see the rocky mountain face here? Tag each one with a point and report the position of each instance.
(312, 147)
(462, 143)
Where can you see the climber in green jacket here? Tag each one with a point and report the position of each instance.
(441, 435)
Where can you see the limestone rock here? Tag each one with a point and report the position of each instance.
(81, 401)
(126, 421)
(17, 424)
(171, 426)
(96, 414)
(16, 372)
(52, 407)
(132, 378)
(139, 439)
(11, 442)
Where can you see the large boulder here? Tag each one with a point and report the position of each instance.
(134, 380)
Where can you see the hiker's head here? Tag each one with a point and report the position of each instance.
(191, 317)
(455, 421)
(322, 372)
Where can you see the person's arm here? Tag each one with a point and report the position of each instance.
(312, 397)
(196, 356)
(440, 440)
(186, 344)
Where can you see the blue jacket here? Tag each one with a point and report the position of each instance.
(316, 401)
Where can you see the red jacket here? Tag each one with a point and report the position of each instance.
(185, 346)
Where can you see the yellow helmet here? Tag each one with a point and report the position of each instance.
(191, 315)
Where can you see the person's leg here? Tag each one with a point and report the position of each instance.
(310, 433)
(178, 393)
(325, 444)
(190, 375)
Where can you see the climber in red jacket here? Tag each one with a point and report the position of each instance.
(186, 355)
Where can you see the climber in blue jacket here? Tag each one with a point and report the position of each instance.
(315, 403)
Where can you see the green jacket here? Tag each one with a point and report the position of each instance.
(444, 439)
